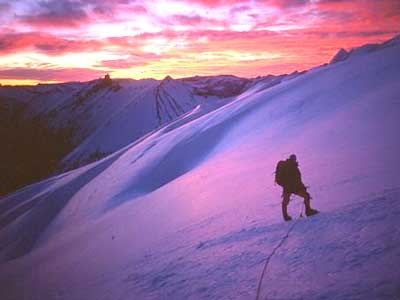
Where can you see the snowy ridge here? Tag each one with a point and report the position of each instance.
(342, 54)
(167, 104)
(223, 86)
(92, 111)
(189, 211)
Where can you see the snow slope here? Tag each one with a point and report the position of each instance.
(190, 210)
(104, 116)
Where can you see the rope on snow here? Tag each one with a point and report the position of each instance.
(273, 253)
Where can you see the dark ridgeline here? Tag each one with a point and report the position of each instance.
(30, 150)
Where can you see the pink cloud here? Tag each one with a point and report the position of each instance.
(283, 4)
(131, 61)
(46, 43)
(215, 3)
(195, 21)
(136, 9)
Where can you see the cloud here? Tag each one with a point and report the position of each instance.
(188, 20)
(104, 10)
(45, 43)
(136, 9)
(240, 9)
(285, 4)
(130, 62)
(195, 21)
(56, 13)
(360, 34)
(215, 3)
(14, 42)
(4, 7)
(70, 74)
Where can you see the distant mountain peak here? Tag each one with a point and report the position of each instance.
(107, 79)
(393, 41)
(167, 78)
(341, 55)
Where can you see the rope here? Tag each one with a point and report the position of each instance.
(273, 252)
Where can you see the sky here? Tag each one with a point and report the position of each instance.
(48, 41)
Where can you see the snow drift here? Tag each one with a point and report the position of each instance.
(190, 210)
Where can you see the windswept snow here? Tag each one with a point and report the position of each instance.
(190, 211)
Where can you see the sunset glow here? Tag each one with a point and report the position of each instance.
(79, 40)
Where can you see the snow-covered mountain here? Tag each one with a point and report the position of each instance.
(343, 54)
(105, 115)
(99, 117)
(190, 211)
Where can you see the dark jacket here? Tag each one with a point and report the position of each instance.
(293, 183)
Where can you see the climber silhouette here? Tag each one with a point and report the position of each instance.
(288, 176)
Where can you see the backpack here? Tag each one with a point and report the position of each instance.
(281, 172)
